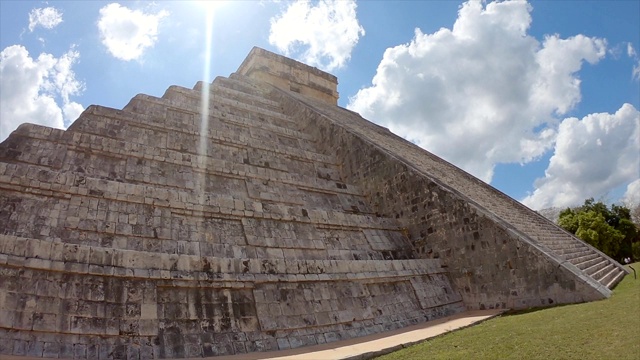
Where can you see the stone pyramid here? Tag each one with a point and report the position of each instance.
(280, 221)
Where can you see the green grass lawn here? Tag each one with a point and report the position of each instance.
(607, 329)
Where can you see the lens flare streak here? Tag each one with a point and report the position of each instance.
(205, 100)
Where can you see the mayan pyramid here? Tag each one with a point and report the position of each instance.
(254, 214)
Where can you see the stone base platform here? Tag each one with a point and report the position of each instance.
(366, 347)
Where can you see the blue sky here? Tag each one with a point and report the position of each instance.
(540, 99)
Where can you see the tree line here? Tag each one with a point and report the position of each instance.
(608, 229)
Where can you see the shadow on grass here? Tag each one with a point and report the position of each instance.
(532, 310)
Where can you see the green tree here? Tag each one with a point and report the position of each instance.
(631, 236)
(593, 228)
(610, 230)
(568, 220)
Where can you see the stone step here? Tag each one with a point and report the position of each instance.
(613, 278)
(599, 273)
(567, 243)
(565, 247)
(570, 253)
(545, 236)
(595, 268)
(564, 252)
(570, 256)
(557, 239)
(586, 261)
(544, 233)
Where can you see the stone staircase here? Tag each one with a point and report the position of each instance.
(516, 216)
(585, 257)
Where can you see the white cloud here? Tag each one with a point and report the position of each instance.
(635, 71)
(71, 111)
(37, 90)
(482, 93)
(558, 88)
(632, 196)
(48, 18)
(128, 33)
(592, 156)
(631, 52)
(328, 31)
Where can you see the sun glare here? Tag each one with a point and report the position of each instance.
(210, 9)
(210, 6)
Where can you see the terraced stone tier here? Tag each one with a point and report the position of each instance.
(91, 302)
